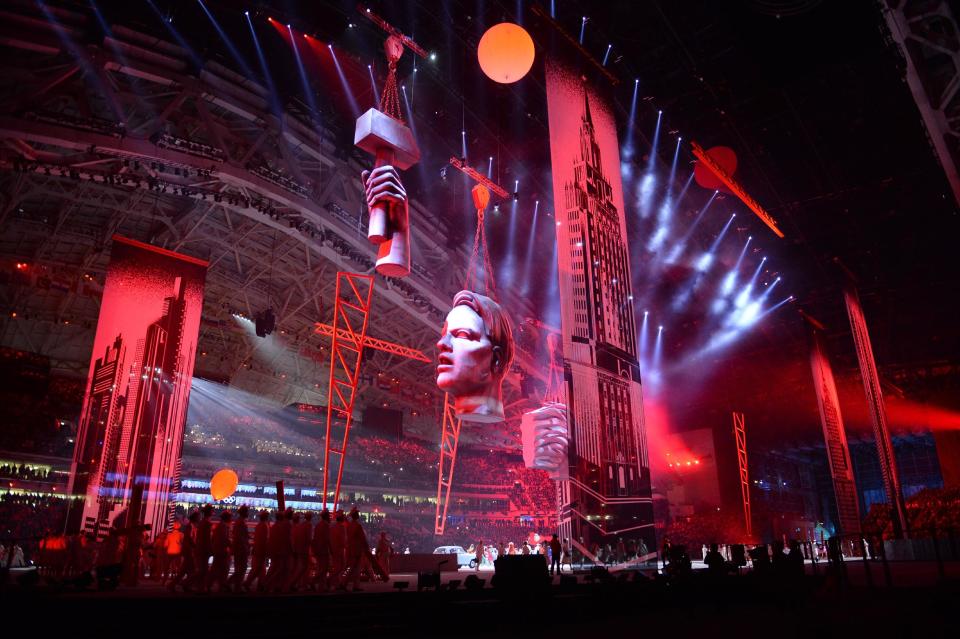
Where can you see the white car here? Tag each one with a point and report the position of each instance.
(463, 557)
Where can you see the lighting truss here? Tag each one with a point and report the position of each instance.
(448, 458)
(392, 30)
(574, 42)
(354, 293)
(374, 343)
(739, 431)
(735, 188)
(479, 178)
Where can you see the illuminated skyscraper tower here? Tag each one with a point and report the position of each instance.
(135, 437)
(157, 430)
(131, 428)
(609, 488)
(99, 425)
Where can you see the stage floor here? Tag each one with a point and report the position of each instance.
(746, 606)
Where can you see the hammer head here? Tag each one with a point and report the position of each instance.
(376, 130)
(481, 197)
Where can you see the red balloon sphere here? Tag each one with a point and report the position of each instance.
(723, 156)
(223, 484)
(505, 52)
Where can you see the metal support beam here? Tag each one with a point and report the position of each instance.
(834, 434)
(351, 313)
(374, 343)
(739, 432)
(478, 178)
(735, 188)
(878, 413)
(448, 457)
(924, 33)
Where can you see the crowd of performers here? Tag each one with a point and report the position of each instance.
(293, 553)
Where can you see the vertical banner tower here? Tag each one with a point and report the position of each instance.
(878, 414)
(834, 435)
(138, 387)
(608, 492)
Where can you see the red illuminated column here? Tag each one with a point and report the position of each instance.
(351, 313)
(878, 414)
(835, 437)
(740, 433)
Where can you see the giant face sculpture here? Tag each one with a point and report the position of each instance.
(545, 439)
(475, 350)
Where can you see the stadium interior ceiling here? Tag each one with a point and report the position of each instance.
(276, 206)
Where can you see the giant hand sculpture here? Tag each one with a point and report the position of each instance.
(475, 351)
(391, 232)
(545, 439)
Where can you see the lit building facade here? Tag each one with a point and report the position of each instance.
(132, 424)
(608, 495)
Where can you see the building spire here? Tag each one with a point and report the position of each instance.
(586, 106)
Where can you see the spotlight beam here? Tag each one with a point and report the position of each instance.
(686, 236)
(354, 108)
(785, 300)
(80, 55)
(528, 264)
(743, 252)
(304, 81)
(373, 85)
(244, 67)
(121, 56)
(719, 238)
(197, 62)
(551, 21)
(644, 339)
(723, 338)
(731, 278)
(511, 239)
(274, 102)
(673, 165)
(409, 110)
(652, 160)
(657, 355)
(628, 141)
(756, 273)
(768, 290)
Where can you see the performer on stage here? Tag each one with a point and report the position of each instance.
(321, 550)
(240, 546)
(258, 569)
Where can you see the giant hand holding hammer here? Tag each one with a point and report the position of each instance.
(384, 134)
